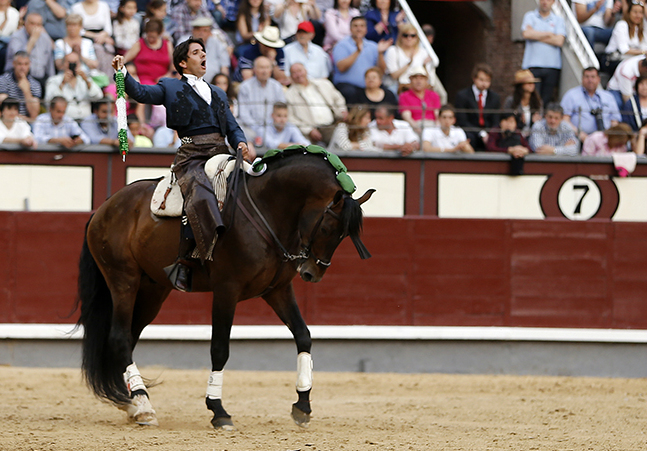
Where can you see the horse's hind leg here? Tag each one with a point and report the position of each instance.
(285, 305)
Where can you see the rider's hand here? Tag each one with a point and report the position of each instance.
(118, 62)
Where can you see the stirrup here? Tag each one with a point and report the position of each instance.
(173, 272)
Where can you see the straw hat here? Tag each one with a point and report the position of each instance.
(524, 76)
(271, 37)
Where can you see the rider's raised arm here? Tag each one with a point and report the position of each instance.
(150, 94)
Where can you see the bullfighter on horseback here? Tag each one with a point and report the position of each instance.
(200, 113)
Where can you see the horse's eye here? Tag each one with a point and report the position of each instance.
(325, 230)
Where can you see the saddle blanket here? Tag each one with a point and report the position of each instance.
(167, 199)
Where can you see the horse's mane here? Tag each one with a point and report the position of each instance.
(352, 220)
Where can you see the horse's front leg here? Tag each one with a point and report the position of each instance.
(222, 317)
(284, 303)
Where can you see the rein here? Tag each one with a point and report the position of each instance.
(306, 251)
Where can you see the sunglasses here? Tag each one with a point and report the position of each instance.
(634, 2)
(409, 35)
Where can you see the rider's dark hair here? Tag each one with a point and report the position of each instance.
(181, 52)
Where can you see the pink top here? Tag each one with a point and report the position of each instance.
(411, 102)
(337, 27)
(152, 64)
(596, 144)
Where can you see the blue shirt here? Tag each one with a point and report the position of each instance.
(578, 105)
(45, 129)
(290, 134)
(366, 59)
(317, 62)
(537, 53)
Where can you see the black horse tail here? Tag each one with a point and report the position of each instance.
(100, 364)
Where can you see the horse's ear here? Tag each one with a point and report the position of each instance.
(366, 196)
(339, 197)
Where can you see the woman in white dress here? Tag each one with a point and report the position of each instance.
(12, 128)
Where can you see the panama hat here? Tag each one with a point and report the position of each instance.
(524, 76)
(271, 37)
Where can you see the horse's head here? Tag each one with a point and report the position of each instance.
(324, 230)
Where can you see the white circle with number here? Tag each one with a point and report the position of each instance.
(579, 198)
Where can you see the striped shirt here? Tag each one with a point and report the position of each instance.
(255, 102)
(9, 86)
(45, 129)
(563, 139)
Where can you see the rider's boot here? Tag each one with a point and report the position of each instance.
(179, 273)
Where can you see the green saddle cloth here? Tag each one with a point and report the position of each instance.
(343, 178)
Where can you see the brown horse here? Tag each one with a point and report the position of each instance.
(289, 220)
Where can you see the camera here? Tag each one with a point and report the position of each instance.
(597, 113)
(73, 68)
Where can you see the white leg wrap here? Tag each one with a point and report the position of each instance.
(133, 379)
(304, 371)
(214, 388)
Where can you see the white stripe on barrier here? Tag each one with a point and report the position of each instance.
(12, 331)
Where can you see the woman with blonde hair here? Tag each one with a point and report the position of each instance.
(405, 55)
(352, 133)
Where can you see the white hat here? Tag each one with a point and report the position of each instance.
(418, 70)
(271, 37)
(202, 22)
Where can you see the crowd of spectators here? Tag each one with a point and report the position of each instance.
(346, 74)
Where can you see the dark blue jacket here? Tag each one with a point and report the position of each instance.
(373, 17)
(629, 116)
(186, 111)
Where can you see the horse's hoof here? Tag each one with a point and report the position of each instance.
(223, 423)
(146, 419)
(301, 418)
(141, 411)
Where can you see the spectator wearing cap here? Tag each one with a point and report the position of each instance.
(314, 105)
(434, 81)
(419, 105)
(353, 56)
(270, 45)
(182, 14)
(56, 127)
(19, 85)
(525, 101)
(216, 44)
(34, 40)
(304, 51)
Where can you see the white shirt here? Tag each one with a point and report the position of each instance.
(597, 19)
(401, 134)
(625, 76)
(19, 130)
(200, 86)
(438, 138)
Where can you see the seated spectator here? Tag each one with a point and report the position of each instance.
(315, 105)
(135, 129)
(97, 23)
(621, 85)
(101, 126)
(634, 111)
(223, 82)
(388, 133)
(126, 27)
(613, 140)
(508, 139)
(182, 14)
(74, 42)
(253, 17)
(596, 19)
(553, 135)
(53, 14)
(166, 137)
(9, 18)
(352, 56)
(12, 128)
(56, 127)
(352, 133)
(337, 22)
(75, 86)
(447, 137)
(477, 107)
(418, 105)
(290, 14)
(404, 56)
(382, 21)
(589, 107)
(628, 38)
(280, 133)
(270, 45)
(34, 40)
(256, 97)
(20, 85)
(216, 46)
(525, 101)
(316, 61)
(157, 9)
(373, 95)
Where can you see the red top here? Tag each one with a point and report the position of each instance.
(152, 64)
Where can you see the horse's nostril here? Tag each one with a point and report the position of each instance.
(306, 276)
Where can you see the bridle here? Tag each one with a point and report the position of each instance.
(306, 250)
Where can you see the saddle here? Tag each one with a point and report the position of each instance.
(167, 199)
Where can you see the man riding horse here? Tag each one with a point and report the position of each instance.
(200, 113)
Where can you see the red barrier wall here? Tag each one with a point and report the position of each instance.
(424, 271)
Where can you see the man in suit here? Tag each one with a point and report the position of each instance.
(477, 107)
(200, 114)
